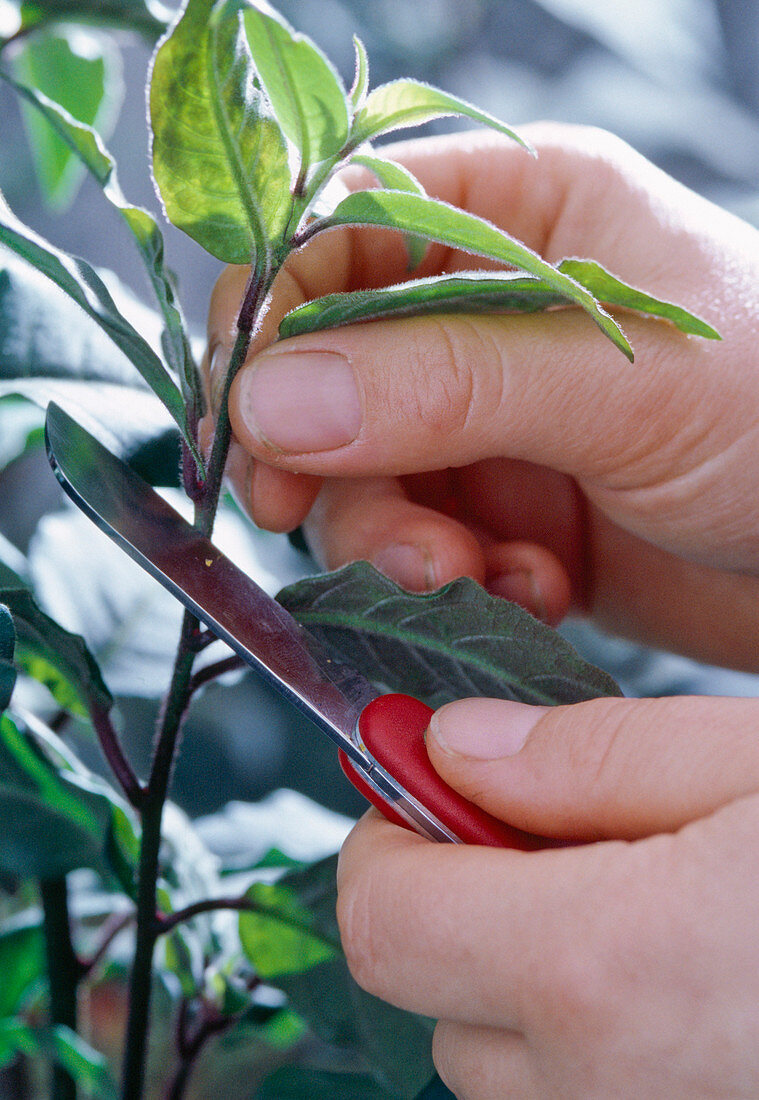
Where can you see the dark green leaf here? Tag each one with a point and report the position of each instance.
(458, 641)
(54, 657)
(22, 959)
(475, 292)
(607, 288)
(16, 1037)
(219, 159)
(404, 103)
(85, 287)
(85, 144)
(80, 72)
(7, 646)
(303, 1083)
(440, 222)
(360, 87)
(305, 92)
(54, 818)
(62, 1046)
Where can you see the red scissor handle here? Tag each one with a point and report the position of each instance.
(393, 727)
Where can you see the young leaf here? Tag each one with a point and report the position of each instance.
(220, 161)
(85, 144)
(475, 292)
(440, 222)
(458, 641)
(148, 17)
(7, 647)
(360, 87)
(85, 287)
(82, 72)
(394, 177)
(305, 92)
(54, 657)
(279, 934)
(609, 289)
(403, 103)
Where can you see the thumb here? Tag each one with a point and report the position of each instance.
(604, 769)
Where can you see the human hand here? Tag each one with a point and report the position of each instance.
(523, 450)
(627, 966)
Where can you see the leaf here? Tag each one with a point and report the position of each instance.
(456, 642)
(608, 288)
(305, 92)
(85, 144)
(440, 222)
(63, 1046)
(7, 647)
(475, 292)
(403, 103)
(304, 1083)
(85, 287)
(55, 657)
(360, 87)
(394, 177)
(149, 17)
(278, 934)
(22, 959)
(220, 161)
(21, 426)
(81, 72)
(54, 818)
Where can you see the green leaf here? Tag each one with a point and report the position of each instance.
(149, 17)
(7, 646)
(54, 818)
(82, 73)
(54, 657)
(440, 222)
(475, 292)
(456, 642)
(220, 160)
(22, 959)
(85, 287)
(360, 87)
(394, 177)
(607, 288)
(305, 92)
(85, 144)
(278, 935)
(63, 1046)
(304, 1083)
(403, 103)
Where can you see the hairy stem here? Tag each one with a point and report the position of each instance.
(153, 797)
(63, 970)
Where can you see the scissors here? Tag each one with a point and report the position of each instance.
(380, 738)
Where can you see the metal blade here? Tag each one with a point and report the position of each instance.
(212, 587)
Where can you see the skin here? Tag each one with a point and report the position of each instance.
(544, 466)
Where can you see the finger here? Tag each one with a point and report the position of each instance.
(276, 500)
(479, 935)
(478, 1063)
(609, 768)
(372, 519)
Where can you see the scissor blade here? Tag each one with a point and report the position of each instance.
(212, 587)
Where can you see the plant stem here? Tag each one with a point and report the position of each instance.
(114, 754)
(133, 1071)
(63, 970)
(190, 1046)
(153, 797)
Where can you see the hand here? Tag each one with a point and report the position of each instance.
(628, 967)
(524, 451)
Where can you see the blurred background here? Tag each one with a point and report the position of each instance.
(678, 79)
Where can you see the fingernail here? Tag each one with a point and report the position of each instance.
(520, 587)
(409, 566)
(484, 729)
(299, 402)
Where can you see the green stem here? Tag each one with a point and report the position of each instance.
(63, 970)
(153, 797)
